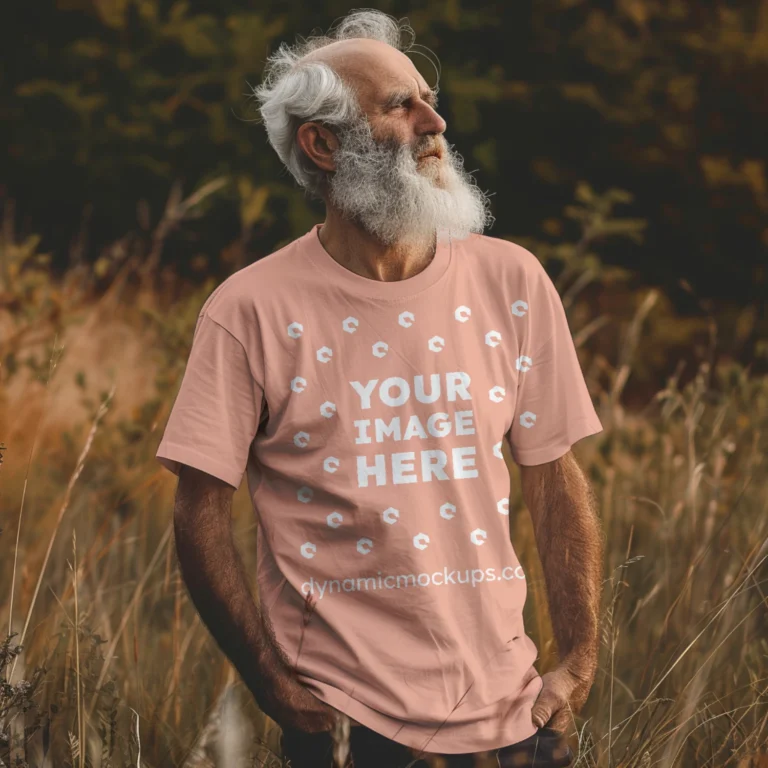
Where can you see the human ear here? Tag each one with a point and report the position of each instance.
(318, 143)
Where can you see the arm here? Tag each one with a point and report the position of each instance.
(570, 543)
(215, 577)
(214, 573)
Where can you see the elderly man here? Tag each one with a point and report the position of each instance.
(392, 345)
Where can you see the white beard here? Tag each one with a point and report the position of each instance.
(397, 199)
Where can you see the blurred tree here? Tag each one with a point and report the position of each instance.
(106, 102)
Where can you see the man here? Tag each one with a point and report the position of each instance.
(364, 377)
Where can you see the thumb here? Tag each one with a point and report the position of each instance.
(546, 703)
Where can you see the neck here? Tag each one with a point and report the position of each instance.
(354, 248)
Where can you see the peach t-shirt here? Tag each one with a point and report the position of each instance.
(369, 417)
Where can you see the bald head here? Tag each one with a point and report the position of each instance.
(374, 70)
(354, 47)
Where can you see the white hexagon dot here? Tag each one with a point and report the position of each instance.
(462, 313)
(390, 515)
(349, 324)
(331, 464)
(301, 439)
(518, 308)
(478, 536)
(503, 506)
(298, 384)
(447, 511)
(497, 450)
(324, 354)
(304, 494)
(523, 363)
(327, 409)
(334, 519)
(295, 330)
(496, 394)
(420, 541)
(364, 546)
(406, 319)
(436, 344)
(308, 549)
(527, 419)
(380, 348)
(493, 338)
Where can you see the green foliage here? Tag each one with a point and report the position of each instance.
(110, 101)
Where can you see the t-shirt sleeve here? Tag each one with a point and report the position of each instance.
(553, 408)
(216, 413)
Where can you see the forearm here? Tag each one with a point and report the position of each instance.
(215, 577)
(570, 543)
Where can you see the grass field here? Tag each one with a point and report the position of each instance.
(87, 543)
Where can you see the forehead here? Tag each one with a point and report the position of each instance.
(374, 68)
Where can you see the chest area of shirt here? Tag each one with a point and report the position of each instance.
(402, 381)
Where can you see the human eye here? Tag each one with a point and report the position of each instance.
(431, 99)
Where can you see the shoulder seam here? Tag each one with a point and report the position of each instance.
(261, 384)
(207, 314)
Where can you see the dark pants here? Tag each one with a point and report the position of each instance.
(544, 749)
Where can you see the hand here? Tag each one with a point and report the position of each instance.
(290, 704)
(563, 693)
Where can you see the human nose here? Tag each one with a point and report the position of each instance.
(430, 122)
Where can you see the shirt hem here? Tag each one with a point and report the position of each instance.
(448, 739)
(577, 431)
(172, 456)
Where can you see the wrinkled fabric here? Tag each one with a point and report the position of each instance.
(369, 418)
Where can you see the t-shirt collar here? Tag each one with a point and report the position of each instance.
(380, 289)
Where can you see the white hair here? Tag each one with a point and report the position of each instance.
(295, 91)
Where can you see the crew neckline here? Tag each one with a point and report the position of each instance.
(380, 289)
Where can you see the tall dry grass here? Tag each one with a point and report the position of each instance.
(106, 663)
